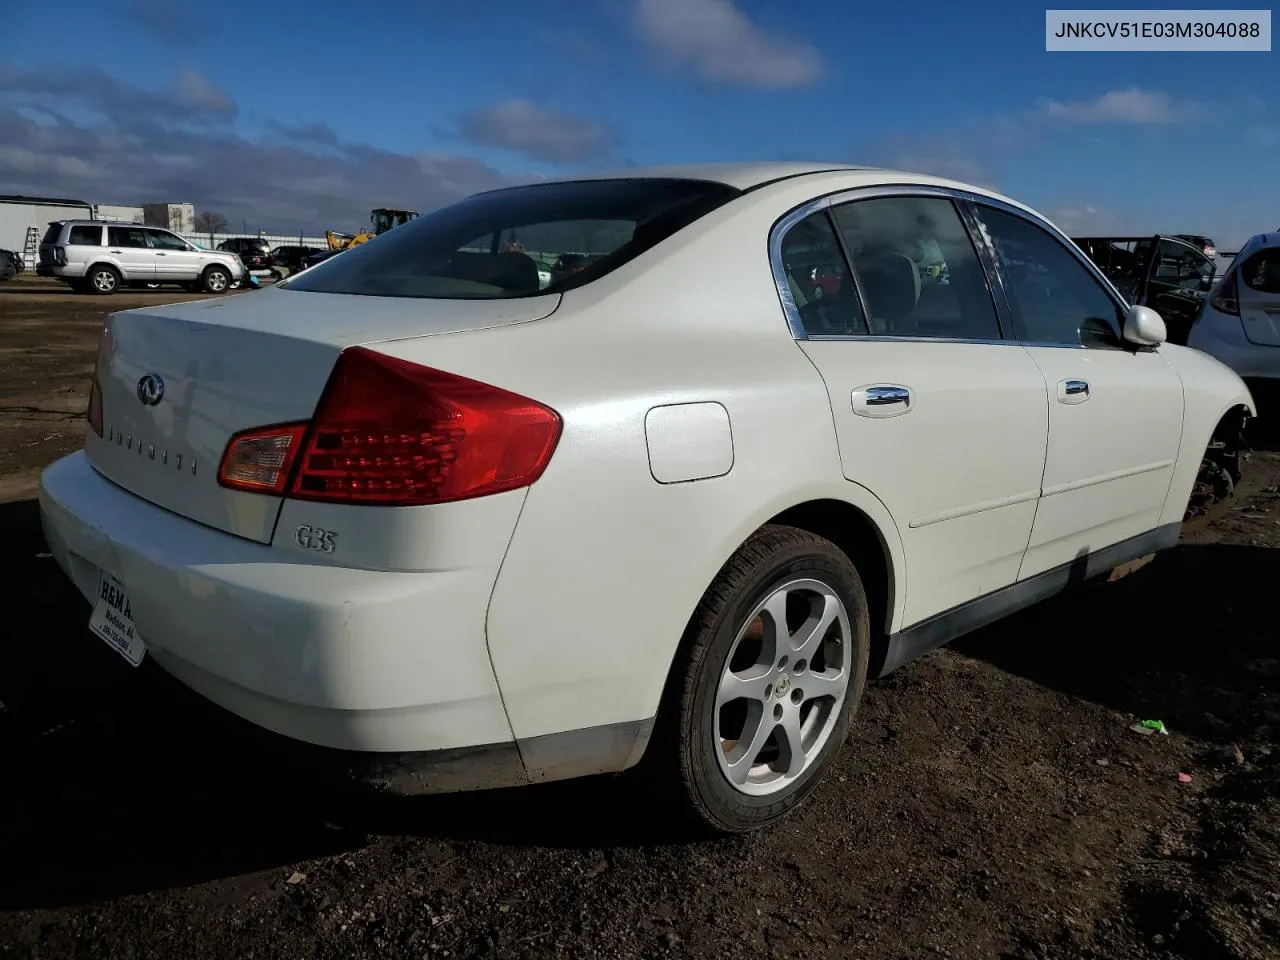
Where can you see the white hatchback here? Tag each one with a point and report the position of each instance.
(476, 530)
(1240, 321)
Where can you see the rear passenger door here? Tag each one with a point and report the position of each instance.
(936, 413)
(129, 248)
(1115, 409)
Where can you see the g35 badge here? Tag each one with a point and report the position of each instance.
(316, 538)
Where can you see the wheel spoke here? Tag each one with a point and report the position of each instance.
(791, 736)
(806, 640)
(739, 686)
(740, 768)
(776, 608)
(827, 683)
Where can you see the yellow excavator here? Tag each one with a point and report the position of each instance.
(383, 219)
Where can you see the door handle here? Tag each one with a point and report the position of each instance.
(1073, 391)
(882, 400)
(159, 253)
(114, 251)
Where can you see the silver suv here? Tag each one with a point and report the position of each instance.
(96, 256)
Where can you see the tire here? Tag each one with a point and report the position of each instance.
(215, 280)
(101, 280)
(732, 790)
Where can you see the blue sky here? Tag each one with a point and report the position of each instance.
(308, 119)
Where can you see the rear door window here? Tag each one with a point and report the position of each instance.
(127, 237)
(85, 236)
(1261, 272)
(918, 271)
(519, 242)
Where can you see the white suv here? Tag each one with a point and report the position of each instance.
(94, 256)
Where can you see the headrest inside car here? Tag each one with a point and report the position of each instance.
(891, 282)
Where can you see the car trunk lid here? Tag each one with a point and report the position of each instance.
(178, 381)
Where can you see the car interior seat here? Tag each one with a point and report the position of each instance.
(891, 285)
(512, 272)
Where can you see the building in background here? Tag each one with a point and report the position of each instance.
(178, 217)
(118, 213)
(18, 214)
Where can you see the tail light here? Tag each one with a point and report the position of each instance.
(60, 256)
(393, 433)
(1225, 298)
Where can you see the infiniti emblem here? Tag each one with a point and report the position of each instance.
(150, 389)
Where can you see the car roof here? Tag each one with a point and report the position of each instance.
(1261, 241)
(106, 223)
(753, 176)
(743, 176)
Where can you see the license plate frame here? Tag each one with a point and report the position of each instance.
(112, 620)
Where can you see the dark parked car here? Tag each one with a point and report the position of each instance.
(1206, 245)
(292, 258)
(10, 265)
(254, 252)
(1170, 274)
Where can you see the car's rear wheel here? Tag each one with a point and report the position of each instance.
(216, 280)
(101, 280)
(768, 680)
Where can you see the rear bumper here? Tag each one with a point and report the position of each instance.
(346, 661)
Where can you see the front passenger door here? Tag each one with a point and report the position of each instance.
(176, 260)
(1115, 410)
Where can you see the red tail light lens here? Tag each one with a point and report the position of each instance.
(1225, 298)
(394, 433)
(261, 460)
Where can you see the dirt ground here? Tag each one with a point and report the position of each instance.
(993, 801)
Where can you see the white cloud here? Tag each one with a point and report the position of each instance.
(723, 44)
(132, 145)
(1133, 106)
(537, 132)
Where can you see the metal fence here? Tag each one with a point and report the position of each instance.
(274, 239)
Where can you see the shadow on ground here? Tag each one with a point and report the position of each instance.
(1189, 639)
(119, 781)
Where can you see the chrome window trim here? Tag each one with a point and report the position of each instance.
(783, 225)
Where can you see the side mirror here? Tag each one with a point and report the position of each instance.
(1144, 327)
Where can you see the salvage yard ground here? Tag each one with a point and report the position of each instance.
(993, 801)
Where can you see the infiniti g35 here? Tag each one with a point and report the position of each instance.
(671, 510)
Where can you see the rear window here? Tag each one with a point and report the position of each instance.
(85, 236)
(1261, 272)
(51, 235)
(519, 242)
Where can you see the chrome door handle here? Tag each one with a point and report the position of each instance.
(881, 396)
(1073, 391)
(881, 400)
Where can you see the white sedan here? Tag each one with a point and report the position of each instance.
(472, 531)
